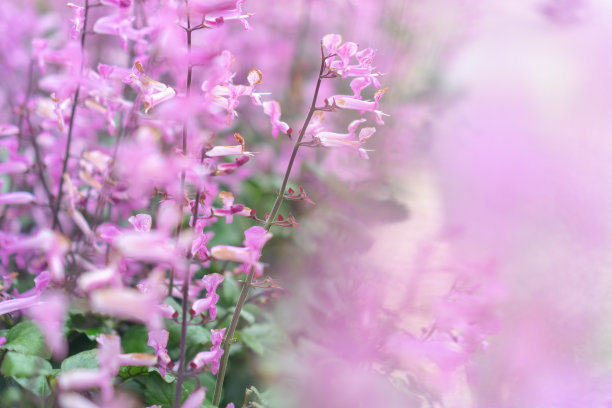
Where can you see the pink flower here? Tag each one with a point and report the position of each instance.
(238, 149)
(346, 140)
(255, 239)
(53, 244)
(272, 109)
(196, 399)
(77, 20)
(210, 282)
(154, 92)
(120, 25)
(141, 222)
(17, 198)
(158, 339)
(211, 356)
(218, 11)
(49, 314)
(198, 246)
(350, 102)
(127, 303)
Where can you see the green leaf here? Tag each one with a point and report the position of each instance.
(26, 338)
(134, 340)
(84, 359)
(38, 385)
(229, 291)
(159, 392)
(196, 335)
(23, 365)
(132, 371)
(250, 341)
(91, 326)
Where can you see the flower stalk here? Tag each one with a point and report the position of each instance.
(246, 286)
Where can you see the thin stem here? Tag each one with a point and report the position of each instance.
(188, 93)
(227, 341)
(58, 201)
(185, 289)
(182, 346)
(39, 165)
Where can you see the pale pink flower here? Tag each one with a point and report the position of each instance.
(273, 110)
(127, 303)
(120, 25)
(141, 222)
(238, 149)
(77, 20)
(158, 339)
(350, 102)
(153, 92)
(49, 314)
(346, 140)
(17, 198)
(196, 399)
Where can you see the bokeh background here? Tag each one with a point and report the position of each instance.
(467, 263)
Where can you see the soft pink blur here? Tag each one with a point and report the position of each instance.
(493, 291)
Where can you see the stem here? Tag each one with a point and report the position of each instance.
(188, 93)
(39, 165)
(269, 222)
(185, 289)
(58, 201)
(182, 346)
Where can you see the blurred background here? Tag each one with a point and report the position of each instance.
(466, 264)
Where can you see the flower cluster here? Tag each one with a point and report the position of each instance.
(115, 167)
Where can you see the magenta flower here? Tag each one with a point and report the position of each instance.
(272, 109)
(255, 239)
(120, 25)
(210, 282)
(77, 20)
(211, 356)
(158, 339)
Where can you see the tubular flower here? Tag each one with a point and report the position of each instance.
(158, 339)
(346, 140)
(210, 282)
(272, 109)
(254, 241)
(211, 356)
(153, 92)
(350, 102)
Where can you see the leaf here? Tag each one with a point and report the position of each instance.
(126, 372)
(196, 335)
(26, 338)
(229, 290)
(24, 365)
(251, 342)
(261, 403)
(134, 340)
(84, 359)
(38, 385)
(91, 326)
(158, 392)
